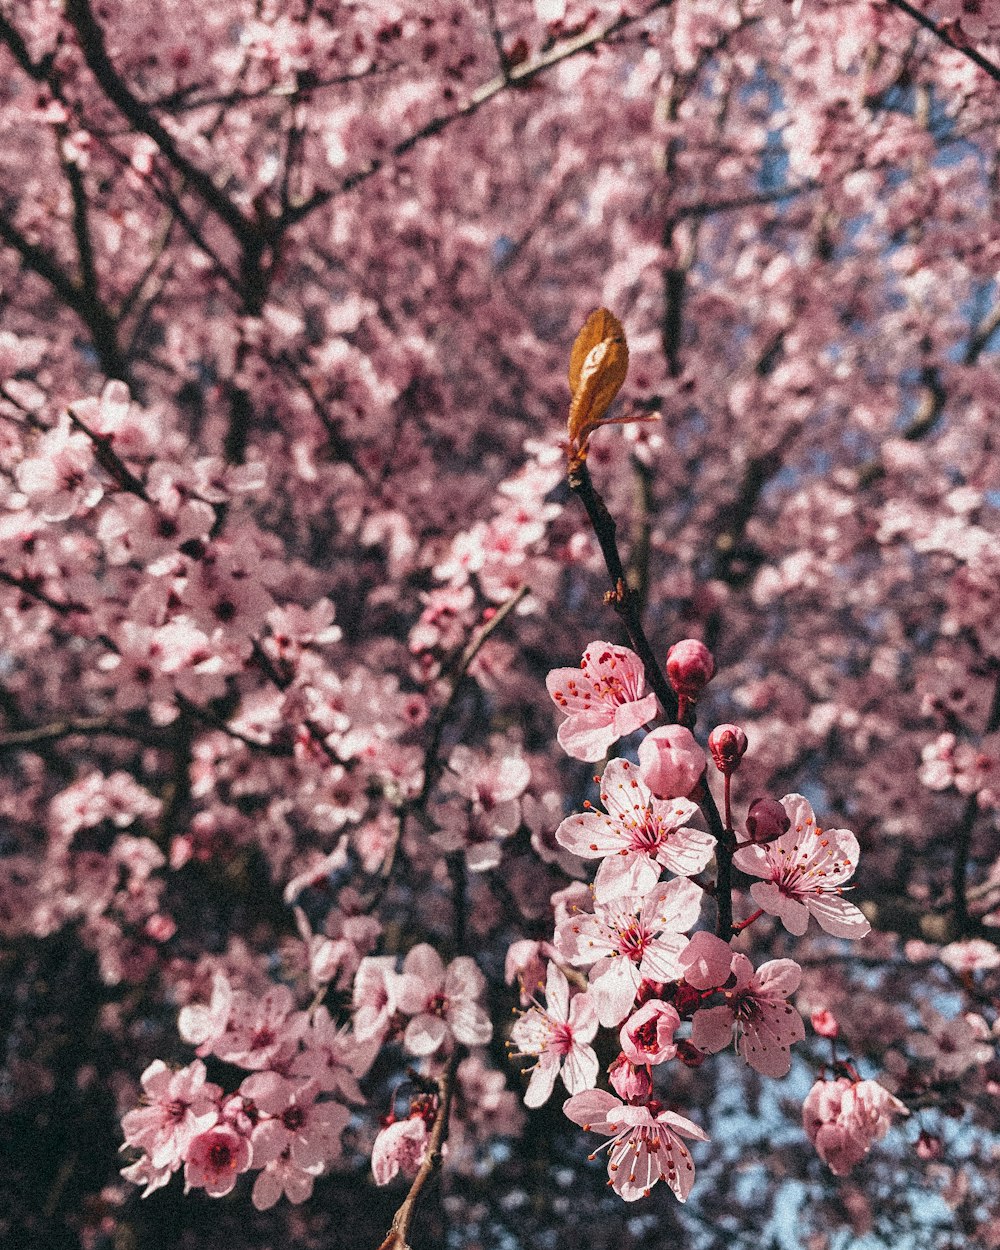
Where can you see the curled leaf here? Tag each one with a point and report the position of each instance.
(598, 364)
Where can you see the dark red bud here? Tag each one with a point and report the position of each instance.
(646, 991)
(689, 1054)
(766, 820)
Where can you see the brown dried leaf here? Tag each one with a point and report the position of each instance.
(597, 368)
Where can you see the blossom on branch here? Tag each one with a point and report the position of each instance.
(638, 837)
(845, 1118)
(645, 1143)
(557, 1036)
(444, 1002)
(630, 940)
(604, 699)
(804, 871)
(766, 1025)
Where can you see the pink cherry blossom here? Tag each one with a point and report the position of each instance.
(180, 1106)
(766, 1025)
(295, 1121)
(376, 997)
(215, 1159)
(444, 1002)
(399, 1147)
(844, 1118)
(648, 1035)
(557, 1036)
(604, 700)
(972, 955)
(671, 761)
(639, 835)
(645, 1143)
(804, 871)
(261, 1032)
(334, 1058)
(629, 940)
(487, 811)
(142, 1172)
(282, 1176)
(631, 1081)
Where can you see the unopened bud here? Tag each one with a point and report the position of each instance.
(632, 1082)
(689, 1054)
(690, 667)
(825, 1024)
(766, 820)
(728, 744)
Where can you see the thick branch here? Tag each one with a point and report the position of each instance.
(95, 53)
(942, 32)
(95, 317)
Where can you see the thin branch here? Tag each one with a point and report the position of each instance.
(963, 834)
(942, 31)
(110, 461)
(182, 102)
(84, 726)
(710, 208)
(433, 766)
(397, 1237)
(457, 672)
(621, 597)
(626, 604)
(935, 396)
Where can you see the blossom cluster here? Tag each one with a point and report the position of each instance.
(286, 1118)
(284, 1121)
(630, 942)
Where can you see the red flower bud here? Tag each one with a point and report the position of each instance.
(689, 1054)
(728, 744)
(690, 667)
(766, 820)
(825, 1024)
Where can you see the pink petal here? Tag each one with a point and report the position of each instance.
(543, 1078)
(622, 875)
(712, 1029)
(591, 1109)
(589, 835)
(587, 736)
(792, 914)
(424, 1034)
(632, 716)
(779, 978)
(837, 916)
(580, 1069)
(557, 993)
(706, 961)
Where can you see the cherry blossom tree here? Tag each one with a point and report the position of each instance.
(378, 718)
